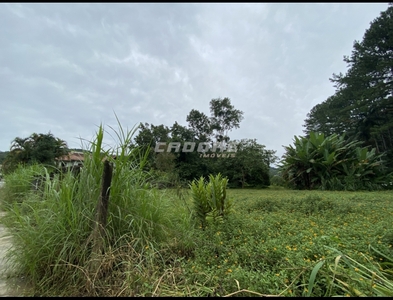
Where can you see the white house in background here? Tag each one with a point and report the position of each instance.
(72, 159)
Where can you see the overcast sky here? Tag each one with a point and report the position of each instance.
(67, 68)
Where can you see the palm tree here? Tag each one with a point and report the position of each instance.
(39, 148)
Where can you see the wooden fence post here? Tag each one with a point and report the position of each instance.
(98, 234)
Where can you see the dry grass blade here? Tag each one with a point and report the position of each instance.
(251, 292)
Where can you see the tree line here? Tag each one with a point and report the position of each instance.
(362, 105)
(348, 141)
(248, 167)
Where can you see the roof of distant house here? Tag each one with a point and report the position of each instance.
(72, 156)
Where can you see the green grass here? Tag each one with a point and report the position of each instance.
(51, 227)
(273, 242)
(275, 238)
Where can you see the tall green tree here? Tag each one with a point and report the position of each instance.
(189, 165)
(214, 128)
(363, 102)
(328, 117)
(181, 133)
(224, 118)
(200, 125)
(37, 148)
(250, 165)
(148, 137)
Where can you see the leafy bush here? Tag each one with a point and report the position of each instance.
(210, 199)
(332, 163)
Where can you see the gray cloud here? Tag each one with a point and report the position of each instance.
(66, 68)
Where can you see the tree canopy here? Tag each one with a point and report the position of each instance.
(362, 106)
(248, 167)
(37, 148)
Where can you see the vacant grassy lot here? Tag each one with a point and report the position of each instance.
(274, 242)
(274, 239)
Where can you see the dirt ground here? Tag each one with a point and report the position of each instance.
(8, 287)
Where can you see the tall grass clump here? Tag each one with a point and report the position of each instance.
(20, 183)
(210, 199)
(52, 230)
(344, 275)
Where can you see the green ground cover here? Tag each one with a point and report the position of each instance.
(274, 239)
(269, 244)
(266, 242)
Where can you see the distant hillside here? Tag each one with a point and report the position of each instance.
(273, 171)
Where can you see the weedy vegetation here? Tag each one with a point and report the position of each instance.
(205, 240)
